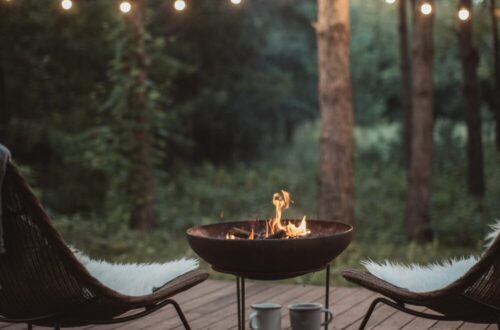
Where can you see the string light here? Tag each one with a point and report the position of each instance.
(390, 1)
(426, 8)
(235, 2)
(180, 5)
(66, 4)
(463, 14)
(125, 7)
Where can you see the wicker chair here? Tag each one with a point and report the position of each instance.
(475, 297)
(42, 283)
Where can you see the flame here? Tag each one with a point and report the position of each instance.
(252, 232)
(282, 202)
(294, 231)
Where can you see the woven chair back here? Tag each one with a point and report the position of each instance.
(486, 289)
(36, 278)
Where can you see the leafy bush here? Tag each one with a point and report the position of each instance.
(209, 194)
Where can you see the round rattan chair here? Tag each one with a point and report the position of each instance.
(41, 281)
(475, 297)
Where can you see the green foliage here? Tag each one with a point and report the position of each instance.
(209, 194)
(232, 97)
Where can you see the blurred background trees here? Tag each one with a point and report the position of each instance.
(231, 102)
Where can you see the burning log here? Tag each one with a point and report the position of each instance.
(277, 235)
(242, 233)
(275, 228)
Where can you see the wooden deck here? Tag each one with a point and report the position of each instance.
(212, 306)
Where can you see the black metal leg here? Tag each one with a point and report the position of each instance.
(238, 298)
(243, 322)
(327, 293)
(57, 325)
(30, 326)
(181, 314)
(369, 313)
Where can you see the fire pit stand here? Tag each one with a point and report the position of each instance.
(240, 297)
(269, 259)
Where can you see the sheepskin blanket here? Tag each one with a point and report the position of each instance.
(424, 278)
(135, 279)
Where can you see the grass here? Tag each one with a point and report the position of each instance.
(208, 194)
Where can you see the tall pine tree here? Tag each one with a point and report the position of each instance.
(419, 175)
(336, 187)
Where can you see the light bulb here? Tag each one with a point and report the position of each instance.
(463, 14)
(390, 1)
(180, 5)
(125, 7)
(426, 8)
(66, 4)
(235, 2)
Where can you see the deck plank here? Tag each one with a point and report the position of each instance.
(473, 326)
(281, 296)
(379, 315)
(169, 317)
(212, 306)
(447, 325)
(397, 320)
(420, 323)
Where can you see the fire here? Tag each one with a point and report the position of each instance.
(293, 231)
(281, 202)
(275, 227)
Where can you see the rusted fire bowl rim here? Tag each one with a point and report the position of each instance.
(272, 259)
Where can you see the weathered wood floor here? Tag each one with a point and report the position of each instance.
(212, 306)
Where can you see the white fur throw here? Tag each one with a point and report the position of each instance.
(493, 234)
(418, 278)
(135, 279)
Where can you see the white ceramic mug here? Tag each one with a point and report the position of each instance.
(266, 316)
(308, 316)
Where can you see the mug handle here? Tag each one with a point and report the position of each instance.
(329, 316)
(253, 316)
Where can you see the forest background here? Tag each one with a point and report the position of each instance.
(232, 91)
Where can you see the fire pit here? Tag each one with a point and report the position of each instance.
(271, 249)
(269, 259)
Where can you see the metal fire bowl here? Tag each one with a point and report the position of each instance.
(271, 259)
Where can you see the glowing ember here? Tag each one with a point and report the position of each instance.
(275, 228)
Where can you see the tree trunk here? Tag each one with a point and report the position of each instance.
(419, 176)
(470, 59)
(141, 170)
(405, 68)
(496, 60)
(335, 194)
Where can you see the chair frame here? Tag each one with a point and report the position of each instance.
(401, 307)
(474, 297)
(60, 319)
(58, 290)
